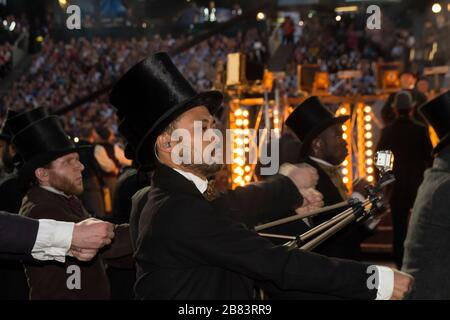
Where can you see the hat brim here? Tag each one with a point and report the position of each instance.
(26, 171)
(145, 154)
(442, 144)
(306, 143)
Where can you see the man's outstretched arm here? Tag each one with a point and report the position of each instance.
(26, 238)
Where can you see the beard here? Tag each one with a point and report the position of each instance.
(209, 167)
(64, 184)
(336, 154)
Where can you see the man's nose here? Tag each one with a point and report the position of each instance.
(80, 166)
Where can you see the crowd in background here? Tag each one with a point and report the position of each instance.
(348, 45)
(11, 28)
(61, 73)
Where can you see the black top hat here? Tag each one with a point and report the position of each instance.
(150, 96)
(437, 114)
(16, 121)
(39, 139)
(309, 120)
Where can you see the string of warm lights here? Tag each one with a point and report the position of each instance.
(240, 169)
(346, 135)
(368, 143)
(360, 140)
(276, 122)
(240, 123)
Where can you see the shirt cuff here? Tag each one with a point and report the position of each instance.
(53, 240)
(385, 283)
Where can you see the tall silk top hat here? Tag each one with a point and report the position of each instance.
(39, 139)
(309, 120)
(437, 114)
(148, 97)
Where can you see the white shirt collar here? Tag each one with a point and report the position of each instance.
(53, 190)
(323, 162)
(200, 184)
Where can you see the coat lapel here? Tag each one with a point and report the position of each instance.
(168, 179)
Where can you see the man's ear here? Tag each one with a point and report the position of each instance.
(316, 144)
(163, 143)
(41, 174)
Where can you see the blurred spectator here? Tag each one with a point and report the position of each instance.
(110, 158)
(412, 148)
(288, 29)
(423, 86)
(92, 196)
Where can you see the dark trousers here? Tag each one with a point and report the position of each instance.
(400, 227)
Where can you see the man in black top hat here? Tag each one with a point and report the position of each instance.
(410, 143)
(192, 245)
(42, 239)
(52, 169)
(324, 148)
(427, 245)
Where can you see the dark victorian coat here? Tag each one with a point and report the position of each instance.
(189, 248)
(427, 245)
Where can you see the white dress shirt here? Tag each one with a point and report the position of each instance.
(54, 237)
(200, 184)
(385, 274)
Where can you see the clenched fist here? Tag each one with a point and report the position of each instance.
(92, 234)
(312, 200)
(403, 283)
(302, 175)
